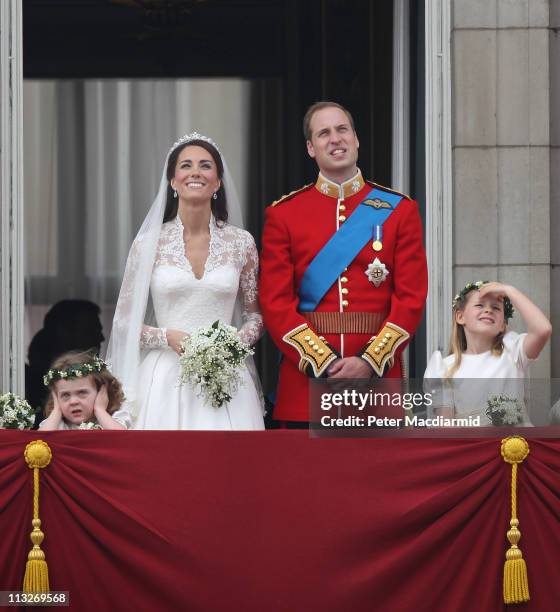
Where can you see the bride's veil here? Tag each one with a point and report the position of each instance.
(134, 306)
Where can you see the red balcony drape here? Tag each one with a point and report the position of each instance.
(276, 521)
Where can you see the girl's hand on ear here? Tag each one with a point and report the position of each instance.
(56, 406)
(52, 422)
(101, 400)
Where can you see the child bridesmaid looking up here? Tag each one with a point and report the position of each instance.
(481, 346)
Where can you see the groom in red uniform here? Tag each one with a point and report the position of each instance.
(343, 269)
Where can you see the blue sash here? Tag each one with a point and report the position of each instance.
(344, 245)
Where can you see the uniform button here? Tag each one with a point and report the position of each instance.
(341, 218)
(387, 335)
(320, 351)
(322, 338)
(315, 347)
(307, 338)
(310, 342)
(377, 350)
(345, 303)
(342, 207)
(344, 279)
(344, 291)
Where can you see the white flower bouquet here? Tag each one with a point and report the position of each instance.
(504, 410)
(211, 362)
(15, 413)
(89, 425)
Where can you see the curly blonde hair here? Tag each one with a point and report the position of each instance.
(112, 384)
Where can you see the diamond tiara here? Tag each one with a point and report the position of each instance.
(194, 136)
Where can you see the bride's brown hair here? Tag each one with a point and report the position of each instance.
(219, 205)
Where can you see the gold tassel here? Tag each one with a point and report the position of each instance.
(516, 584)
(36, 580)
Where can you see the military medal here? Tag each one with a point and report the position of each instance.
(376, 272)
(378, 204)
(377, 244)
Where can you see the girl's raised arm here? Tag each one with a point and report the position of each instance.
(539, 328)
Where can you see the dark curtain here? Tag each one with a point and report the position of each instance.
(267, 181)
(295, 53)
(332, 50)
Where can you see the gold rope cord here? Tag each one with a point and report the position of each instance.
(516, 583)
(36, 579)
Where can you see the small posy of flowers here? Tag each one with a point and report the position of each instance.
(211, 362)
(89, 425)
(15, 413)
(504, 410)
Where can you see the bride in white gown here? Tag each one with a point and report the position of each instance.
(197, 269)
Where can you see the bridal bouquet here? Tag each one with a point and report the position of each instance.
(15, 413)
(211, 362)
(89, 425)
(504, 410)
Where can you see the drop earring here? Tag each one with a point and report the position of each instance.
(215, 196)
(174, 193)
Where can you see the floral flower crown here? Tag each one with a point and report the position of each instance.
(76, 370)
(194, 136)
(459, 297)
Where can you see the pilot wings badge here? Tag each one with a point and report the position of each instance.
(377, 203)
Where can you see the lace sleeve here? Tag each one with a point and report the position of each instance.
(153, 337)
(123, 310)
(252, 328)
(150, 337)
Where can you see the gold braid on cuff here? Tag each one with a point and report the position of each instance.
(313, 349)
(382, 347)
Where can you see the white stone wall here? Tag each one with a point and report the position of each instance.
(502, 153)
(11, 200)
(554, 56)
(3, 298)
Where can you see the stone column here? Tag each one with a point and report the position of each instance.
(554, 40)
(502, 148)
(11, 203)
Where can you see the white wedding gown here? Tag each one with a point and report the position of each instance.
(183, 302)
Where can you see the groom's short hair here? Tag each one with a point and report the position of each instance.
(320, 106)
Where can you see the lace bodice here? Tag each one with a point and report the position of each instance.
(183, 302)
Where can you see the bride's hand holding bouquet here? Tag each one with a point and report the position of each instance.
(211, 361)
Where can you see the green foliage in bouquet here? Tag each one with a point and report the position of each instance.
(15, 413)
(504, 410)
(211, 362)
(89, 426)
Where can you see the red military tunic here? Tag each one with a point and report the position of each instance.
(376, 322)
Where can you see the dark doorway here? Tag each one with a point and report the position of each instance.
(294, 52)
